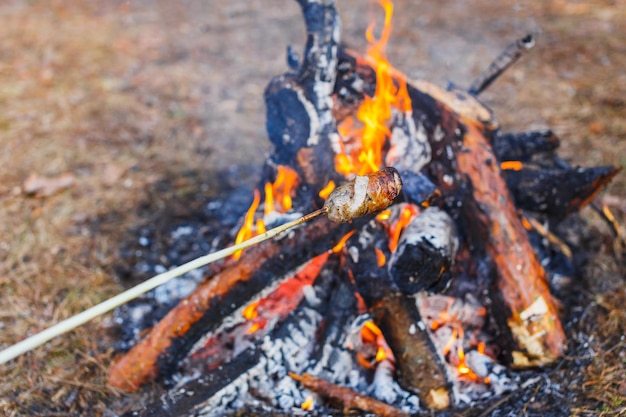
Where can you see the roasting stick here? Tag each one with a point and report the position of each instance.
(363, 195)
(134, 292)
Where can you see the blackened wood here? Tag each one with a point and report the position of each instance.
(557, 192)
(169, 341)
(299, 121)
(525, 146)
(425, 252)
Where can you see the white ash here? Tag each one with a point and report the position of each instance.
(410, 150)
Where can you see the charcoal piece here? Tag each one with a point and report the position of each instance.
(557, 192)
(425, 252)
(525, 146)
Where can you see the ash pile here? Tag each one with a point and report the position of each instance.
(441, 301)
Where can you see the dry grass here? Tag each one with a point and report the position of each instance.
(121, 97)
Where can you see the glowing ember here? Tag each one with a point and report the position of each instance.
(383, 215)
(375, 112)
(381, 260)
(308, 404)
(511, 166)
(250, 311)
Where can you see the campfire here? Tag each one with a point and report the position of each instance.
(434, 302)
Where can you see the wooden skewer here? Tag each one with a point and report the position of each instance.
(71, 323)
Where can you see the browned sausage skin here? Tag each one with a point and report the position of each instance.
(363, 195)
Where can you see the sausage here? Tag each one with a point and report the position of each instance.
(363, 195)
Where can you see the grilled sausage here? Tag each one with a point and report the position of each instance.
(363, 195)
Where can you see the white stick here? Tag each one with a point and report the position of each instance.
(81, 318)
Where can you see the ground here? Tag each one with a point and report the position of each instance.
(119, 97)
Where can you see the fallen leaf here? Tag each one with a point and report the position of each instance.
(40, 186)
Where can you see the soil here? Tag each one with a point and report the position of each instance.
(150, 107)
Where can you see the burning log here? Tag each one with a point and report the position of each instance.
(533, 318)
(419, 369)
(173, 336)
(347, 399)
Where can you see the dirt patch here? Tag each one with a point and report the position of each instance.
(123, 97)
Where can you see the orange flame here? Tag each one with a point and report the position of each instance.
(371, 333)
(327, 190)
(342, 242)
(381, 260)
(375, 112)
(406, 215)
(456, 341)
(278, 195)
(246, 231)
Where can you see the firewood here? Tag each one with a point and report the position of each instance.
(533, 319)
(525, 146)
(425, 252)
(173, 336)
(556, 192)
(300, 122)
(419, 368)
(347, 399)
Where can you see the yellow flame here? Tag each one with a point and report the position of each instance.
(246, 231)
(374, 112)
(406, 215)
(308, 404)
(250, 311)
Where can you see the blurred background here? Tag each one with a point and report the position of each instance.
(116, 113)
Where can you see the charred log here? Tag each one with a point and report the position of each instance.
(425, 253)
(419, 369)
(169, 341)
(525, 146)
(556, 192)
(533, 319)
(300, 122)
